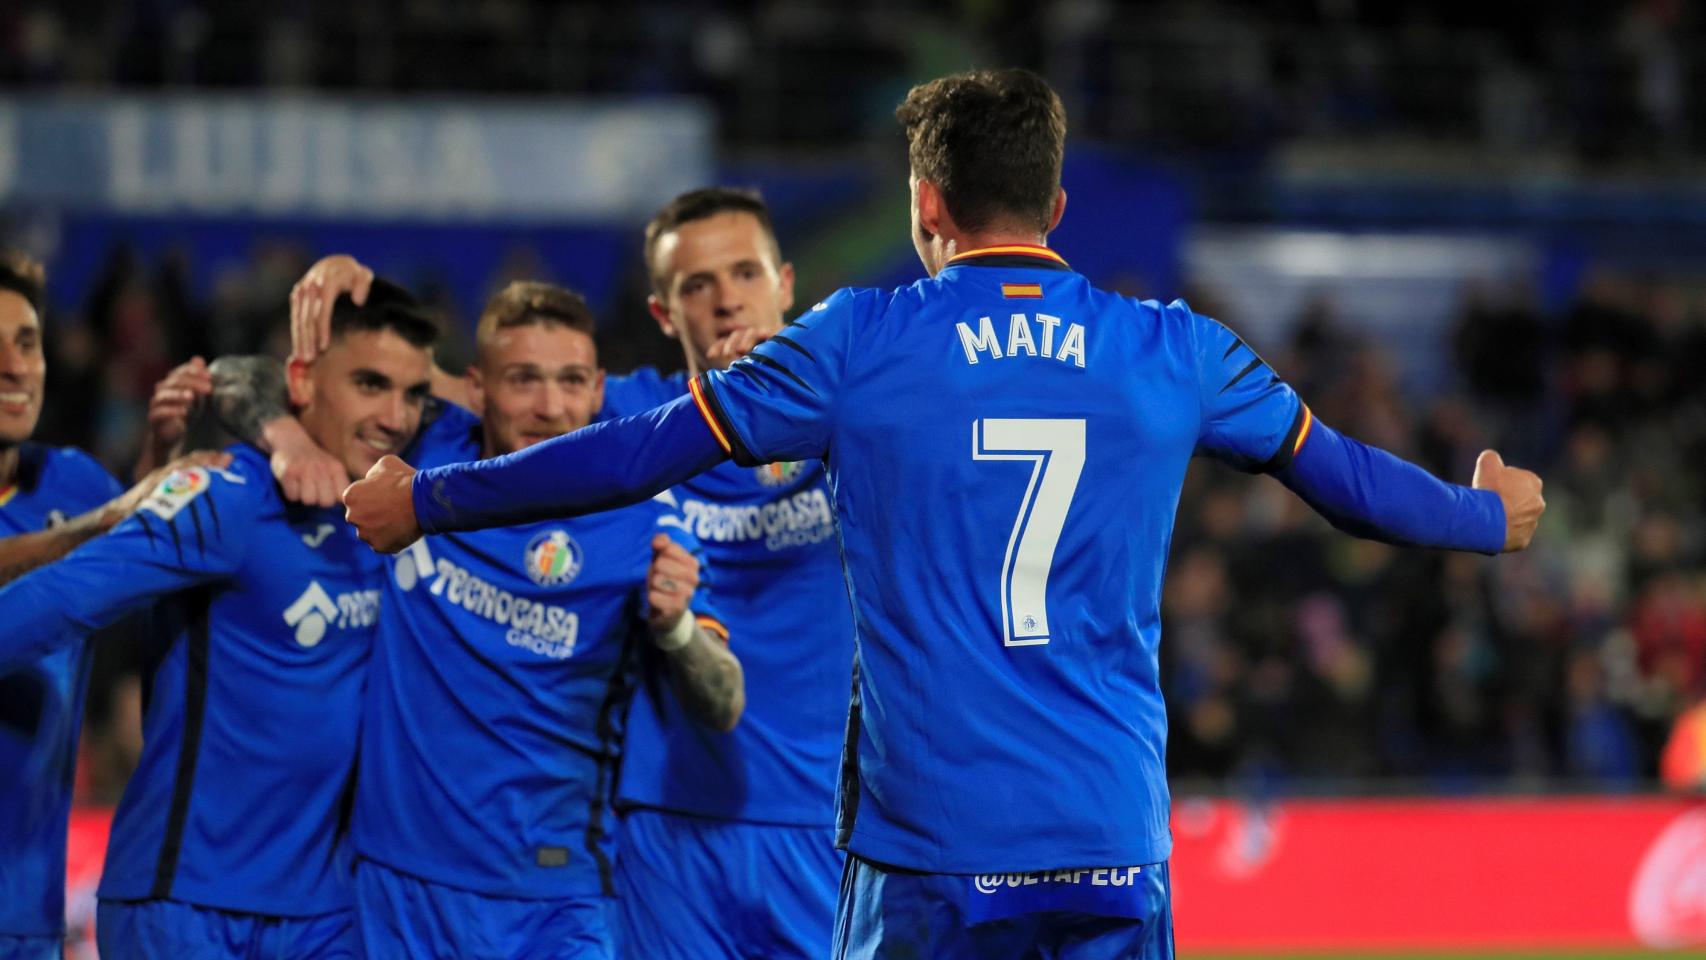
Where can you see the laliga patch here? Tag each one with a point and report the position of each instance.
(176, 491)
(553, 559)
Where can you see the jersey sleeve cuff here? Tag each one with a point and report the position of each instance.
(705, 399)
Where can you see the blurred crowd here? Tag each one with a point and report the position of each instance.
(1294, 658)
(1297, 658)
(1593, 80)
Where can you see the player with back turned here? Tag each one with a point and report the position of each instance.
(1006, 445)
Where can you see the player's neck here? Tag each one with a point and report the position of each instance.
(8, 465)
(997, 238)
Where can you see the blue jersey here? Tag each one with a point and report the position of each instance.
(1006, 446)
(769, 533)
(265, 612)
(41, 707)
(492, 721)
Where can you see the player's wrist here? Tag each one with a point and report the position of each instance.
(679, 634)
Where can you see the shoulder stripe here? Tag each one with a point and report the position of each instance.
(778, 338)
(776, 365)
(1242, 374)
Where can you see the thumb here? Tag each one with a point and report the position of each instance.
(660, 543)
(1487, 464)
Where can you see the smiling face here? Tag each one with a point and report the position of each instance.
(534, 382)
(361, 399)
(23, 369)
(717, 275)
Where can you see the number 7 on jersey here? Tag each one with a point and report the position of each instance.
(1056, 448)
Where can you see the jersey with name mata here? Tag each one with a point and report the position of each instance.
(1006, 445)
(265, 611)
(494, 706)
(41, 706)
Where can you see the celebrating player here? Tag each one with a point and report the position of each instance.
(51, 501)
(712, 819)
(226, 843)
(1006, 445)
(498, 682)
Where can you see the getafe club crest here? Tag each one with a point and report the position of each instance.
(553, 559)
(778, 474)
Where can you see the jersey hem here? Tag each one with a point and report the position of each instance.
(593, 884)
(626, 806)
(906, 856)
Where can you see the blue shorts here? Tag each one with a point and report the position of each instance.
(1117, 913)
(692, 888)
(169, 930)
(31, 948)
(405, 916)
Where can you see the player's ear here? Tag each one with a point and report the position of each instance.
(299, 382)
(476, 382)
(930, 208)
(660, 313)
(1059, 211)
(785, 279)
(598, 392)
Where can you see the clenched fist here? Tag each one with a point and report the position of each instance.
(381, 506)
(1519, 490)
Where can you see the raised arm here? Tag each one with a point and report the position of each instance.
(1370, 493)
(600, 467)
(706, 675)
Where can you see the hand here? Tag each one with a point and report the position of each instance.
(312, 298)
(381, 506)
(169, 409)
(1519, 490)
(670, 583)
(126, 503)
(305, 473)
(736, 345)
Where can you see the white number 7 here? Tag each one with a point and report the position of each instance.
(1056, 447)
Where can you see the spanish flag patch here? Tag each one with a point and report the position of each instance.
(1022, 291)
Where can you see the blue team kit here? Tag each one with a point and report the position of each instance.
(266, 612)
(745, 834)
(493, 723)
(41, 712)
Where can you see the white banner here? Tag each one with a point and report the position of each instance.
(315, 156)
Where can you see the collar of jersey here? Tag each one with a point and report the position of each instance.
(1027, 255)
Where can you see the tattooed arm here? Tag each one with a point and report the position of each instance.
(708, 679)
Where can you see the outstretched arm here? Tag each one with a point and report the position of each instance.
(600, 467)
(1370, 493)
(26, 551)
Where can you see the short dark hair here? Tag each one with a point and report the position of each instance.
(388, 307)
(527, 302)
(25, 276)
(702, 204)
(992, 141)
